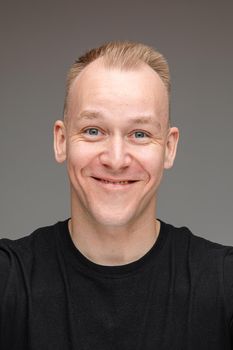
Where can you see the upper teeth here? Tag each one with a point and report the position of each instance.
(111, 182)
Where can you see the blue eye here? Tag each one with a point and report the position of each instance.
(92, 131)
(140, 134)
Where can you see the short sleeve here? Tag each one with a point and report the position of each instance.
(228, 287)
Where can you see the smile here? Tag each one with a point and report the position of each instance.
(115, 183)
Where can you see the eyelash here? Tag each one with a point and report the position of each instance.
(85, 131)
(140, 131)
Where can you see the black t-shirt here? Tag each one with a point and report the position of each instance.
(178, 296)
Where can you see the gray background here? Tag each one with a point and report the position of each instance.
(39, 41)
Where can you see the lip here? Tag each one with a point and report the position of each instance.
(113, 180)
(112, 186)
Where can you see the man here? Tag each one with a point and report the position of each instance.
(112, 276)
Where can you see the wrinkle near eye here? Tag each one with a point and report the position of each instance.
(136, 137)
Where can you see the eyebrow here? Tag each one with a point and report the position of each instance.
(92, 115)
(87, 115)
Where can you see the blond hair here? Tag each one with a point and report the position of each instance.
(122, 55)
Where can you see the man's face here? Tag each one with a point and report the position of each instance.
(116, 142)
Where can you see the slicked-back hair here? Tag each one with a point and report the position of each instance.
(123, 55)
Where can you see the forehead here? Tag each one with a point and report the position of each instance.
(138, 90)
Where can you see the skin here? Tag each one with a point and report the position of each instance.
(106, 137)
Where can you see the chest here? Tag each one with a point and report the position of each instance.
(153, 310)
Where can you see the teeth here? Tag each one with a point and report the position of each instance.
(119, 182)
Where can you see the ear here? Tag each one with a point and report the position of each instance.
(171, 147)
(59, 143)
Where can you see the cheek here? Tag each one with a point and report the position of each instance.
(152, 160)
(79, 156)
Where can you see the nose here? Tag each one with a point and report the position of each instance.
(116, 155)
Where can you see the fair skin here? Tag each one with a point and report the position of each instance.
(117, 129)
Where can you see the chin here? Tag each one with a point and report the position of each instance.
(112, 219)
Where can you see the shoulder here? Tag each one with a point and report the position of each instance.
(20, 257)
(26, 244)
(209, 264)
(184, 239)
(203, 259)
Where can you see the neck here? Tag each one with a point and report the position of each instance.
(114, 246)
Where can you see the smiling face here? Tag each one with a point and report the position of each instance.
(116, 142)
